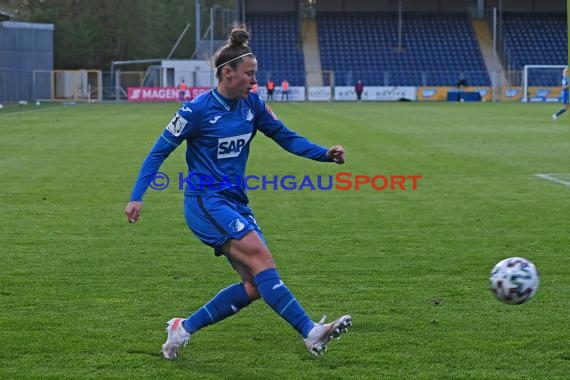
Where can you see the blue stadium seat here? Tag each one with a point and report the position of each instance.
(536, 39)
(438, 50)
(276, 43)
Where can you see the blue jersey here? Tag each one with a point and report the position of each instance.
(218, 133)
(564, 94)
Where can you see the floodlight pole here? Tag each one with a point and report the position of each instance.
(212, 27)
(212, 31)
(197, 22)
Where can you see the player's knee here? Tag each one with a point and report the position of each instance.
(260, 258)
(257, 251)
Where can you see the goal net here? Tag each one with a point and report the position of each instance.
(68, 85)
(542, 82)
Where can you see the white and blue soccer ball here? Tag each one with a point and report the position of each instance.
(514, 280)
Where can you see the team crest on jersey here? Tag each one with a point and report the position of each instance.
(247, 114)
(176, 125)
(236, 225)
(232, 146)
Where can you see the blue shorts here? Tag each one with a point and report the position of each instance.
(564, 97)
(215, 218)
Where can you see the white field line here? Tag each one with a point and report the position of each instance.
(41, 109)
(552, 177)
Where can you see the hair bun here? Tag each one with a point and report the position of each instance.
(238, 37)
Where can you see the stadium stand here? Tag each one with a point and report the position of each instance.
(438, 49)
(276, 43)
(536, 39)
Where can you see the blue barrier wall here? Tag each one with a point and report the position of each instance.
(25, 48)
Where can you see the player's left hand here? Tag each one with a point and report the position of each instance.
(337, 154)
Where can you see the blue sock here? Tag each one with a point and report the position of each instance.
(562, 110)
(227, 302)
(276, 295)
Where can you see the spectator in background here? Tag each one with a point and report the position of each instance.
(182, 88)
(284, 89)
(563, 95)
(359, 88)
(462, 83)
(270, 85)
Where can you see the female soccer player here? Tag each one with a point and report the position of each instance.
(564, 95)
(218, 127)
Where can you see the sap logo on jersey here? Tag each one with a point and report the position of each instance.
(232, 146)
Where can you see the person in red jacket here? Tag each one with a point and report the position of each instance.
(359, 88)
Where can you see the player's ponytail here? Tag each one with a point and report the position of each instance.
(234, 51)
(238, 37)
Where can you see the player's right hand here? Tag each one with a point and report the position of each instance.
(133, 211)
(337, 154)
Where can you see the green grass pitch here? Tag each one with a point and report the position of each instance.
(84, 294)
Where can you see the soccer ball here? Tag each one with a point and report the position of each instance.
(514, 280)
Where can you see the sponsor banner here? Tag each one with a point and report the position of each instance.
(535, 94)
(162, 94)
(375, 93)
(514, 94)
(544, 94)
(543, 99)
(344, 93)
(321, 93)
(433, 93)
(296, 93)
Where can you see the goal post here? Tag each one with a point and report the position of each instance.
(68, 85)
(541, 75)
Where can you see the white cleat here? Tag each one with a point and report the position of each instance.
(322, 333)
(554, 117)
(177, 337)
